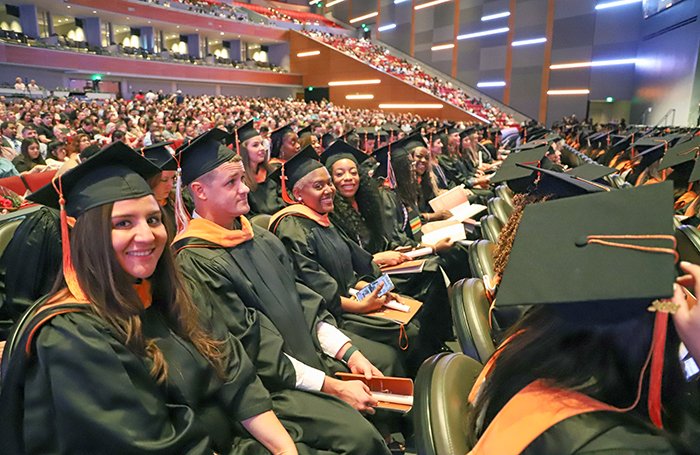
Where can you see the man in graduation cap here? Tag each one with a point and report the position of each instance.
(242, 274)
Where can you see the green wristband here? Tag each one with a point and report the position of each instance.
(351, 350)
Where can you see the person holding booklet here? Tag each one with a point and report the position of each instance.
(331, 263)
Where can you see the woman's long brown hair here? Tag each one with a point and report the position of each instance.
(111, 291)
(250, 173)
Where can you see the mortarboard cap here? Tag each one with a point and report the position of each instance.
(326, 140)
(160, 155)
(300, 165)
(247, 131)
(560, 185)
(391, 127)
(115, 173)
(203, 154)
(341, 150)
(517, 178)
(467, 132)
(681, 152)
(649, 156)
(305, 130)
(401, 147)
(591, 171)
(559, 258)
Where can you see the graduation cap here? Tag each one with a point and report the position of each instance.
(245, 132)
(305, 130)
(349, 133)
(276, 139)
(681, 152)
(326, 140)
(561, 185)
(203, 154)
(517, 178)
(452, 129)
(89, 151)
(297, 167)
(391, 127)
(649, 156)
(467, 132)
(591, 171)
(399, 148)
(598, 259)
(159, 154)
(342, 150)
(115, 173)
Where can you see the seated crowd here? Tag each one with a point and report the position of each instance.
(380, 58)
(204, 288)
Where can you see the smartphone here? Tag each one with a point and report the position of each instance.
(367, 290)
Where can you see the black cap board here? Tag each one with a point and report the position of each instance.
(591, 171)
(559, 259)
(247, 131)
(326, 140)
(560, 185)
(470, 130)
(681, 153)
(305, 130)
(517, 178)
(402, 147)
(203, 154)
(115, 173)
(341, 150)
(300, 165)
(160, 155)
(649, 156)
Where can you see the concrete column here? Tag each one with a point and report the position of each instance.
(110, 33)
(29, 21)
(92, 29)
(49, 23)
(278, 54)
(147, 38)
(234, 50)
(193, 45)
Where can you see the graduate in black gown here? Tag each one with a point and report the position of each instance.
(260, 178)
(331, 264)
(242, 275)
(123, 365)
(596, 356)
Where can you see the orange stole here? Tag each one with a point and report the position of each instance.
(302, 211)
(211, 232)
(531, 412)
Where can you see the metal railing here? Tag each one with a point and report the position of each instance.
(664, 120)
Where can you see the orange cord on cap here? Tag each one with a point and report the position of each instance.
(285, 195)
(68, 270)
(658, 341)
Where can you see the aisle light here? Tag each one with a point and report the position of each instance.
(361, 18)
(360, 96)
(440, 47)
(429, 4)
(410, 106)
(574, 91)
(396, 2)
(308, 53)
(333, 3)
(491, 84)
(527, 42)
(386, 27)
(491, 17)
(620, 61)
(356, 82)
(614, 4)
(494, 31)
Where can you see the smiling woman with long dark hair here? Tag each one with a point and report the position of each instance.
(123, 365)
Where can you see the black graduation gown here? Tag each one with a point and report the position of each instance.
(251, 288)
(85, 392)
(267, 197)
(29, 265)
(601, 433)
(330, 263)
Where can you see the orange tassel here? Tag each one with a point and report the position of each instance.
(238, 146)
(285, 194)
(182, 218)
(654, 404)
(68, 270)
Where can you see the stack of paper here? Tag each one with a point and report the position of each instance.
(456, 202)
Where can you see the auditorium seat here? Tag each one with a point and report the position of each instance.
(505, 193)
(490, 228)
(35, 181)
(470, 312)
(262, 220)
(500, 209)
(481, 258)
(688, 243)
(14, 183)
(440, 404)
